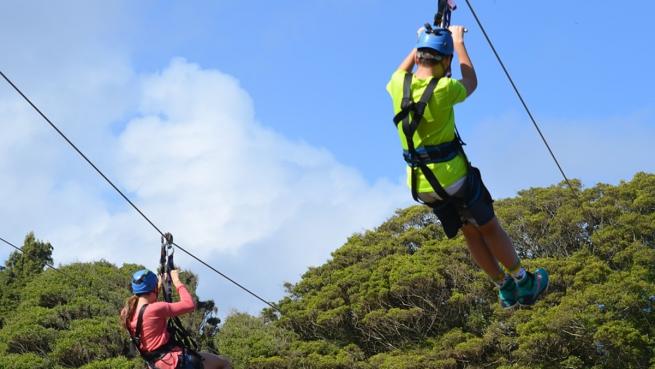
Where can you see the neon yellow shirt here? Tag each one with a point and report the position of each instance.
(437, 127)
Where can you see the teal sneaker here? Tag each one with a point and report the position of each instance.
(508, 293)
(532, 286)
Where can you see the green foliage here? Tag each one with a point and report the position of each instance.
(115, 363)
(401, 296)
(20, 268)
(245, 338)
(29, 332)
(23, 266)
(68, 318)
(87, 340)
(404, 297)
(24, 361)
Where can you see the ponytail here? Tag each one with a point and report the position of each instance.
(128, 311)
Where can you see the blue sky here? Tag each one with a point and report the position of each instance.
(181, 102)
(320, 66)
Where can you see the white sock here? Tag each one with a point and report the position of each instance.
(519, 275)
(501, 283)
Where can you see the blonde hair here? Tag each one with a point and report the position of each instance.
(429, 57)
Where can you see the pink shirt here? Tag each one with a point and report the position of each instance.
(154, 333)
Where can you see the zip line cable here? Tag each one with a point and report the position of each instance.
(590, 216)
(73, 278)
(518, 94)
(228, 278)
(125, 197)
(79, 152)
(23, 252)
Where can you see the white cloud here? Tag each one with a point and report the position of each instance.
(63, 60)
(195, 159)
(200, 162)
(198, 157)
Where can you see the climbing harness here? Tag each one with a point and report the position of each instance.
(151, 357)
(178, 335)
(418, 158)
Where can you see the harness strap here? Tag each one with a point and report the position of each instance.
(407, 104)
(419, 158)
(407, 92)
(178, 333)
(149, 356)
(152, 356)
(164, 271)
(410, 126)
(139, 326)
(433, 154)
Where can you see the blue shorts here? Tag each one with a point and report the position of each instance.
(473, 205)
(189, 360)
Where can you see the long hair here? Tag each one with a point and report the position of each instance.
(128, 311)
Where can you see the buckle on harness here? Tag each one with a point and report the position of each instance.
(432, 154)
(412, 160)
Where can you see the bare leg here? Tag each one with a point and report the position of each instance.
(211, 361)
(481, 253)
(499, 244)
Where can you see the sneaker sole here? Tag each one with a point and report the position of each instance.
(511, 307)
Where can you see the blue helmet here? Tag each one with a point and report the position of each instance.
(439, 39)
(143, 281)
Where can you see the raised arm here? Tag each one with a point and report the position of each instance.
(408, 64)
(469, 79)
(186, 303)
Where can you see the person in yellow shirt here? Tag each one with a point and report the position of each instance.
(438, 171)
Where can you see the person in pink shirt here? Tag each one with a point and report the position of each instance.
(146, 320)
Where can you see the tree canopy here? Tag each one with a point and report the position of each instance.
(401, 296)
